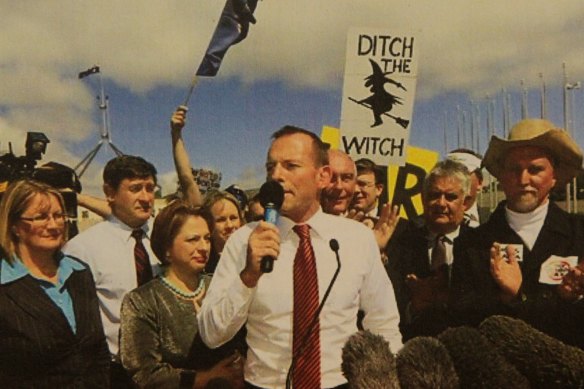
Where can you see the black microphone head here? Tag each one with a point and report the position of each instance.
(368, 362)
(424, 362)
(271, 192)
(477, 362)
(545, 361)
(334, 245)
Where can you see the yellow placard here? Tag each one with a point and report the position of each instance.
(405, 182)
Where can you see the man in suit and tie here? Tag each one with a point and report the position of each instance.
(514, 263)
(420, 252)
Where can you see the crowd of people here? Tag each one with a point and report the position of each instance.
(180, 300)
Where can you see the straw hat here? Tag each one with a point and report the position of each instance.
(538, 133)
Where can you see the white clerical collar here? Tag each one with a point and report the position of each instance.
(527, 225)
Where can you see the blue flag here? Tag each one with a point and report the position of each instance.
(231, 29)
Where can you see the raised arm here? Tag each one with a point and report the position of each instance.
(96, 205)
(181, 158)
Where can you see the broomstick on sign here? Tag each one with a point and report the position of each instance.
(381, 102)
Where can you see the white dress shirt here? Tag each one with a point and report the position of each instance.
(362, 284)
(108, 249)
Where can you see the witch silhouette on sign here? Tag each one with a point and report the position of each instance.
(381, 102)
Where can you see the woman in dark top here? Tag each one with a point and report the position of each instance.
(51, 334)
(158, 344)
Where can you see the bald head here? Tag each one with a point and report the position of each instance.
(337, 196)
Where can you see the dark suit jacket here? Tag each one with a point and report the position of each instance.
(407, 253)
(38, 348)
(477, 294)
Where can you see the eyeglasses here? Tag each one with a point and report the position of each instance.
(44, 218)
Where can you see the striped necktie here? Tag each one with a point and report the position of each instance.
(438, 253)
(143, 269)
(306, 340)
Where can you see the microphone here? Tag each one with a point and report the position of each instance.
(368, 362)
(477, 362)
(545, 361)
(424, 362)
(271, 198)
(334, 245)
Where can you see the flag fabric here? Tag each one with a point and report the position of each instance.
(89, 72)
(231, 29)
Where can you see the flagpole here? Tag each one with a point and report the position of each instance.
(194, 83)
(524, 111)
(543, 102)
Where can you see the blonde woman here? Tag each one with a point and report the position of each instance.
(51, 333)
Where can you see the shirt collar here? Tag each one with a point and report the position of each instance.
(449, 237)
(473, 210)
(318, 224)
(127, 230)
(10, 272)
(518, 219)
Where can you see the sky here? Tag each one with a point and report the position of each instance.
(289, 70)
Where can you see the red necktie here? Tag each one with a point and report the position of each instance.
(306, 348)
(143, 269)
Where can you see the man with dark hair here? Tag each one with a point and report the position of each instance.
(118, 250)
(286, 332)
(369, 187)
(472, 160)
(514, 263)
(420, 253)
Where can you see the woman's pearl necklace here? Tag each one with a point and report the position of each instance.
(180, 293)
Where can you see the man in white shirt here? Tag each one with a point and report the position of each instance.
(109, 247)
(241, 294)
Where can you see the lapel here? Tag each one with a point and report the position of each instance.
(420, 246)
(499, 230)
(554, 238)
(29, 296)
(80, 295)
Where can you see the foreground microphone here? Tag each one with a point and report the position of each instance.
(424, 362)
(545, 361)
(477, 362)
(368, 362)
(271, 198)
